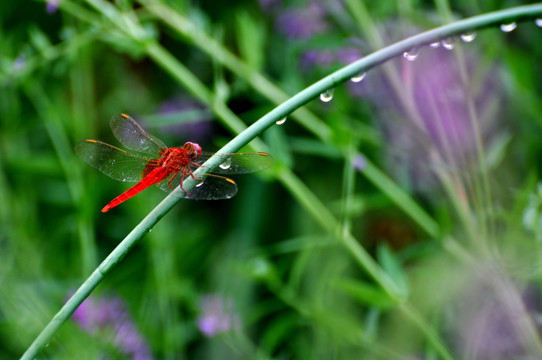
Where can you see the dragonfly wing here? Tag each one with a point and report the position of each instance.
(239, 163)
(132, 136)
(112, 161)
(211, 188)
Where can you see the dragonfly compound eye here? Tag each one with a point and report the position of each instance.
(194, 149)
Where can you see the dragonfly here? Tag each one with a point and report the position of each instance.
(151, 162)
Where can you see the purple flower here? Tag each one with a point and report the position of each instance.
(105, 316)
(325, 57)
(303, 23)
(51, 6)
(348, 55)
(217, 315)
(313, 58)
(268, 5)
(19, 63)
(195, 123)
(492, 318)
(428, 121)
(359, 162)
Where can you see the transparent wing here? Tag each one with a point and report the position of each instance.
(132, 136)
(112, 161)
(239, 163)
(211, 188)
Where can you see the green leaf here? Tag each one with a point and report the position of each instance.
(250, 39)
(366, 293)
(392, 266)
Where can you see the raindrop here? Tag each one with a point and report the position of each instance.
(358, 78)
(200, 183)
(281, 121)
(509, 27)
(468, 37)
(434, 45)
(226, 164)
(538, 22)
(411, 55)
(448, 44)
(327, 95)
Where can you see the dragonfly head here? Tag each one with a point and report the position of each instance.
(193, 148)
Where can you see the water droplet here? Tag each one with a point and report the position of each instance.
(434, 45)
(358, 78)
(509, 27)
(200, 183)
(150, 230)
(448, 44)
(281, 121)
(468, 37)
(226, 164)
(327, 95)
(411, 55)
(538, 22)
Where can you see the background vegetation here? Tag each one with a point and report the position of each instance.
(400, 221)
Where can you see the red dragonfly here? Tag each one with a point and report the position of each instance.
(155, 163)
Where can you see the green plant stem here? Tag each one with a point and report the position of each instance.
(433, 337)
(60, 140)
(482, 185)
(348, 188)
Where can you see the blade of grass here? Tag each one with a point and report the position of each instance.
(59, 137)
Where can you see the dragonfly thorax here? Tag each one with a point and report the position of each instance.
(174, 158)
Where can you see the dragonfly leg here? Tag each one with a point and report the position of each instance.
(173, 177)
(192, 174)
(183, 175)
(187, 171)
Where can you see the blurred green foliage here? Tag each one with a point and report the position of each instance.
(445, 234)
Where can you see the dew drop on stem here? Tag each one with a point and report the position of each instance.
(448, 44)
(226, 164)
(411, 55)
(434, 45)
(327, 95)
(200, 183)
(281, 121)
(509, 27)
(468, 37)
(538, 22)
(358, 78)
